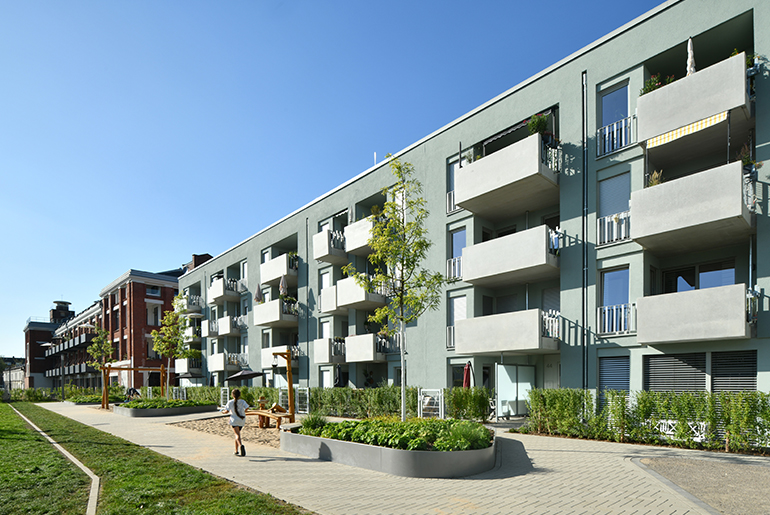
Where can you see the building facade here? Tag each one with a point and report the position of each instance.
(576, 265)
(38, 336)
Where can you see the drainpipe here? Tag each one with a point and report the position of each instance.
(584, 334)
(307, 298)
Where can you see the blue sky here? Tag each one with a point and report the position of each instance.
(135, 134)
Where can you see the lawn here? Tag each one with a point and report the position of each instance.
(138, 480)
(35, 477)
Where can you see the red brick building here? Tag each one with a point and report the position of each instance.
(38, 334)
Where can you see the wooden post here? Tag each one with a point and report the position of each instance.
(287, 356)
(105, 386)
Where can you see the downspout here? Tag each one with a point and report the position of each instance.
(583, 339)
(307, 301)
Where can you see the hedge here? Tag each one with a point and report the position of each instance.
(733, 421)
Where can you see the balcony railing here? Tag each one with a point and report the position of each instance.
(454, 268)
(289, 307)
(451, 207)
(337, 240)
(240, 359)
(389, 344)
(614, 136)
(551, 324)
(613, 228)
(194, 363)
(450, 337)
(338, 347)
(550, 155)
(617, 319)
(554, 241)
(241, 322)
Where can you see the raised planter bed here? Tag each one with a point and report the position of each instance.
(161, 412)
(398, 462)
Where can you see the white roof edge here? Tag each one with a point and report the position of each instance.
(131, 273)
(636, 21)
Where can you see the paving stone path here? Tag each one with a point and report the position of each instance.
(534, 475)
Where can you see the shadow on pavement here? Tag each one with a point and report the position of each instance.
(512, 461)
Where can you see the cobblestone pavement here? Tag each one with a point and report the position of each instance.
(534, 475)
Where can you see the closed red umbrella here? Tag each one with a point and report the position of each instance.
(467, 375)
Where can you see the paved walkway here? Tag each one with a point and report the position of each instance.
(534, 475)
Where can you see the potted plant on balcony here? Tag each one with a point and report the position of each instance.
(655, 179)
(749, 164)
(538, 124)
(654, 83)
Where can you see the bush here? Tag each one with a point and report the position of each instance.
(467, 403)
(370, 402)
(414, 434)
(737, 421)
(313, 424)
(163, 403)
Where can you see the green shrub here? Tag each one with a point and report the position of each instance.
(467, 403)
(381, 401)
(313, 424)
(163, 403)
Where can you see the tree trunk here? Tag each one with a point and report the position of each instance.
(402, 330)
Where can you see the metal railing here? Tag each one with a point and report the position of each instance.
(430, 403)
(194, 363)
(193, 300)
(289, 308)
(231, 285)
(337, 240)
(749, 188)
(195, 332)
(213, 326)
(551, 324)
(243, 285)
(294, 262)
(454, 268)
(550, 156)
(613, 228)
(554, 241)
(338, 346)
(617, 319)
(450, 337)
(615, 136)
(237, 358)
(388, 344)
(241, 322)
(752, 305)
(451, 207)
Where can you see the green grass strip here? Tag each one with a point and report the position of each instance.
(138, 480)
(35, 477)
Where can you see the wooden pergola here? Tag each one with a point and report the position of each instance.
(106, 369)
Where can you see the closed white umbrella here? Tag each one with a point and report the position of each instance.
(282, 288)
(690, 58)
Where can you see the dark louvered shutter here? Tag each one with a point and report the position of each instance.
(734, 371)
(613, 375)
(675, 372)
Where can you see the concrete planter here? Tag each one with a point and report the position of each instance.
(161, 412)
(392, 461)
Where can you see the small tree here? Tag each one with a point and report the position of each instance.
(170, 341)
(101, 349)
(399, 244)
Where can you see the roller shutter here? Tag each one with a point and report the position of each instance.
(613, 375)
(675, 372)
(734, 371)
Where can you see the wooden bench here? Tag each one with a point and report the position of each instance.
(275, 412)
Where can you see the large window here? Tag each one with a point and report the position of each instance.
(615, 311)
(698, 277)
(613, 220)
(454, 263)
(615, 124)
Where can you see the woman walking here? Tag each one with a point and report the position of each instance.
(237, 407)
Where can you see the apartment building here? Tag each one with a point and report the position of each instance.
(38, 334)
(577, 265)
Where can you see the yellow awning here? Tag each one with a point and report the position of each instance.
(687, 129)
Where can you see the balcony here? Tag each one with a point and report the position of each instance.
(191, 366)
(210, 329)
(328, 302)
(510, 181)
(227, 362)
(616, 319)
(267, 356)
(694, 316)
(329, 350)
(284, 265)
(613, 228)
(523, 257)
(192, 304)
(192, 334)
(521, 332)
(708, 92)
(350, 295)
(223, 290)
(357, 237)
(276, 313)
(369, 348)
(329, 247)
(229, 326)
(700, 211)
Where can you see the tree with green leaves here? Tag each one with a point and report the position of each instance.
(101, 348)
(170, 340)
(400, 243)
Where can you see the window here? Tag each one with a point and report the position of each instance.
(151, 354)
(615, 126)
(153, 314)
(265, 338)
(696, 277)
(613, 217)
(734, 371)
(614, 374)
(454, 263)
(457, 375)
(615, 311)
(325, 280)
(153, 291)
(675, 372)
(265, 256)
(458, 310)
(244, 270)
(326, 329)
